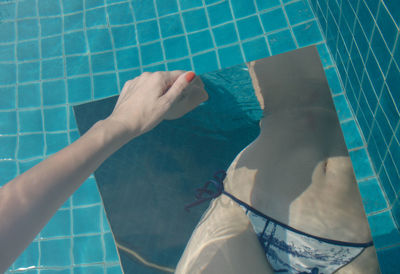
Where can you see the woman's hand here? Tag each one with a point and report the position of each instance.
(145, 100)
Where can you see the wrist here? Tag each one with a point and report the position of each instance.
(115, 132)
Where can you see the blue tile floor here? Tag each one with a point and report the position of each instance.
(57, 53)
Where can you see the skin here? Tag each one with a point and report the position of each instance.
(29, 201)
(297, 171)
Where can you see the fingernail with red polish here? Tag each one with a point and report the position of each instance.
(189, 76)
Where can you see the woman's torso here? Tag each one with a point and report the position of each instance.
(298, 172)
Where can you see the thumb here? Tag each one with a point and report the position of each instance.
(178, 86)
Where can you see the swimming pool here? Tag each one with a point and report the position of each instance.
(55, 54)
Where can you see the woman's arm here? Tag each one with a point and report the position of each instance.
(29, 201)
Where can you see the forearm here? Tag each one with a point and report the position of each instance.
(31, 199)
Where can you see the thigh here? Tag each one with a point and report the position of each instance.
(365, 263)
(224, 242)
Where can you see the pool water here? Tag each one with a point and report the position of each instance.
(55, 54)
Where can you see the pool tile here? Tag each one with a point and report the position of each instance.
(273, 20)
(387, 26)
(324, 55)
(99, 40)
(148, 31)
(28, 50)
(175, 47)
(392, 173)
(95, 269)
(8, 10)
(50, 26)
(383, 124)
(151, 53)
(58, 226)
(105, 85)
(154, 68)
(180, 65)
(8, 145)
(389, 259)
(267, 4)
(96, 17)
(102, 62)
(342, 108)
(87, 249)
(54, 143)
(230, 56)
(75, 42)
(166, 7)
(384, 230)
(28, 29)
(249, 27)
(242, 8)
(396, 212)
(200, 41)
(333, 80)
(281, 42)
(25, 8)
(72, 122)
(106, 225)
(53, 92)
(307, 34)
(7, 98)
(7, 74)
(79, 89)
(351, 134)
(188, 4)
(205, 62)
(26, 165)
(195, 20)
(7, 33)
(128, 58)
(110, 248)
(49, 7)
(361, 41)
(365, 18)
(29, 257)
(225, 34)
(53, 68)
(361, 164)
(29, 95)
(119, 14)
(93, 3)
(171, 25)
(56, 252)
(255, 49)
(124, 36)
(72, 6)
(298, 12)
(51, 47)
(74, 135)
(387, 103)
(144, 9)
(84, 225)
(127, 75)
(219, 13)
(74, 22)
(55, 119)
(77, 65)
(8, 170)
(381, 51)
(393, 82)
(7, 53)
(86, 194)
(30, 121)
(387, 186)
(114, 269)
(30, 145)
